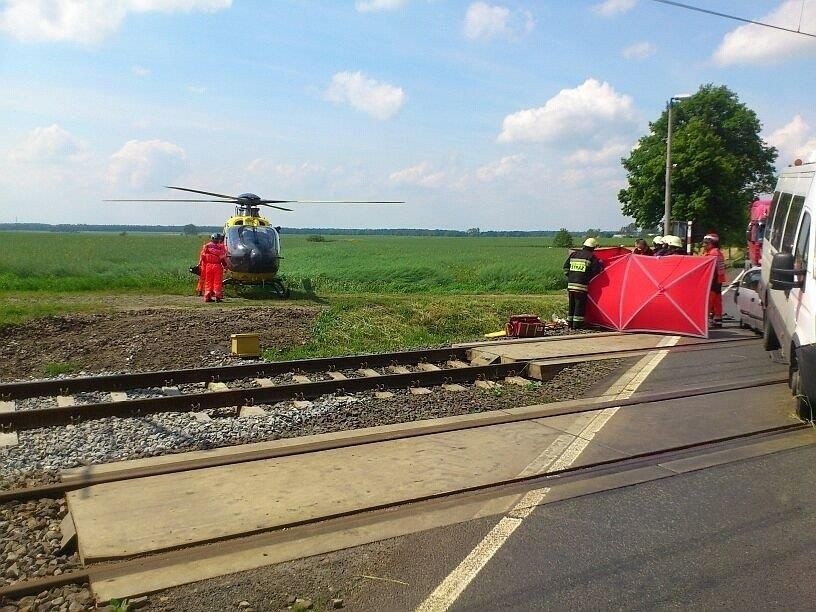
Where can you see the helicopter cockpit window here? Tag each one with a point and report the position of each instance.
(253, 249)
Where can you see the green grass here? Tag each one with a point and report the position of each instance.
(376, 293)
(55, 368)
(33, 261)
(375, 323)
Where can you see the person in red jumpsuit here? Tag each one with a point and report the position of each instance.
(213, 260)
(711, 248)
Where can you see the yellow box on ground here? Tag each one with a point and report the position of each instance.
(245, 345)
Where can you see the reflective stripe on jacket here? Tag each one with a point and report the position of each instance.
(580, 267)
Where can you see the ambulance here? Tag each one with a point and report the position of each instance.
(788, 281)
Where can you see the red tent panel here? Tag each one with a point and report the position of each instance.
(653, 294)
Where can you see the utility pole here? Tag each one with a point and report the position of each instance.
(667, 207)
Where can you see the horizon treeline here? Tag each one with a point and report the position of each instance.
(190, 229)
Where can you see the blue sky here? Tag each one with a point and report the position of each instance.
(498, 114)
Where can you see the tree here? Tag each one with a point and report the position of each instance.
(593, 233)
(473, 231)
(720, 164)
(563, 238)
(190, 230)
(629, 230)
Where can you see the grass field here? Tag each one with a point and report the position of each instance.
(375, 292)
(341, 264)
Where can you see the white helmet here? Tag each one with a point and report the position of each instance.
(673, 241)
(657, 240)
(590, 243)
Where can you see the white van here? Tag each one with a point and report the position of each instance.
(788, 281)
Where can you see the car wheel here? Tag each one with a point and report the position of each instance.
(803, 403)
(769, 340)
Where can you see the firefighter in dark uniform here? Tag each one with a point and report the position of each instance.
(580, 267)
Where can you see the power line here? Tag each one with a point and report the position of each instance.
(736, 18)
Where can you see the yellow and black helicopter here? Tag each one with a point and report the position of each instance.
(253, 243)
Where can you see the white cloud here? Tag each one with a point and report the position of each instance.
(197, 89)
(380, 100)
(592, 108)
(486, 21)
(141, 71)
(48, 144)
(146, 164)
(285, 171)
(640, 50)
(794, 140)
(422, 174)
(85, 21)
(371, 6)
(753, 44)
(610, 152)
(608, 8)
(500, 168)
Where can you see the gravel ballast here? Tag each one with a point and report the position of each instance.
(41, 453)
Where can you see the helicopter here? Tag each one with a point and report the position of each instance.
(253, 243)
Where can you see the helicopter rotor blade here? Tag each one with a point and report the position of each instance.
(339, 201)
(272, 206)
(210, 193)
(173, 200)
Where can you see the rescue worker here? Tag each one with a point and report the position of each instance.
(580, 267)
(212, 261)
(641, 248)
(657, 244)
(663, 249)
(674, 246)
(711, 248)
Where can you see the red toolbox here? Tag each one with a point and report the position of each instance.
(525, 326)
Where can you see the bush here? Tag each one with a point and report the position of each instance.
(316, 238)
(563, 239)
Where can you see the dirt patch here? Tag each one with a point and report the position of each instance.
(144, 339)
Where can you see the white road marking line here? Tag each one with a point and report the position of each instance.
(449, 590)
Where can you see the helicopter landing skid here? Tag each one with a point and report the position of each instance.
(274, 287)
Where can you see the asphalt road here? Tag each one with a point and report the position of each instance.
(737, 536)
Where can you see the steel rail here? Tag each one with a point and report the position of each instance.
(488, 490)
(364, 437)
(163, 378)
(65, 415)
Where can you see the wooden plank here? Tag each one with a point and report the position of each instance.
(486, 384)
(264, 382)
(398, 369)
(64, 401)
(8, 438)
(368, 372)
(454, 388)
(337, 375)
(118, 396)
(301, 379)
(517, 380)
(420, 391)
(217, 386)
(455, 363)
(428, 367)
(176, 510)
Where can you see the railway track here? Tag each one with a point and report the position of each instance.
(365, 513)
(123, 395)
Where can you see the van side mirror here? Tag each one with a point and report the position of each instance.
(783, 274)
